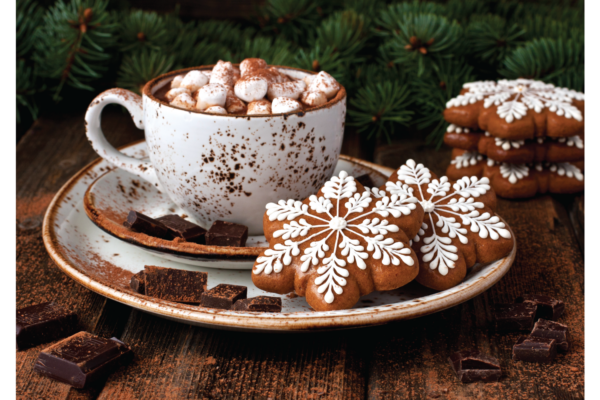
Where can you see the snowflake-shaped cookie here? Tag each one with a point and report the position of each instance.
(514, 98)
(468, 158)
(518, 109)
(342, 243)
(460, 227)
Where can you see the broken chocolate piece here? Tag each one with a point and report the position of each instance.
(259, 303)
(365, 180)
(514, 317)
(552, 330)
(138, 282)
(223, 296)
(139, 222)
(472, 366)
(534, 349)
(175, 284)
(81, 359)
(223, 233)
(547, 307)
(44, 323)
(179, 227)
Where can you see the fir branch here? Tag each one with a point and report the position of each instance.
(29, 17)
(490, 38)
(225, 32)
(27, 87)
(552, 60)
(139, 67)
(143, 29)
(423, 40)
(434, 90)
(204, 52)
(539, 26)
(392, 18)
(322, 58)
(378, 109)
(289, 18)
(465, 11)
(72, 47)
(345, 31)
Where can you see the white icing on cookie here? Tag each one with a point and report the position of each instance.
(572, 141)
(444, 203)
(457, 129)
(465, 159)
(568, 169)
(514, 172)
(514, 97)
(350, 218)
(506, 144)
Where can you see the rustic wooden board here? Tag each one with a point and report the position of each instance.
(400, 360)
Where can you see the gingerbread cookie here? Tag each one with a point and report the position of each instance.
(518, 109)
(460, 227)
(529, 151)
(465, 163)
(462, 138)
(515, 181)
(342, 243)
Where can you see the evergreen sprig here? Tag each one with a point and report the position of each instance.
(276, 51)
(552, 60)
(392, 18)
(434, 91)
(29, 18)
(289, 18)
(143, 29)
(141, 66)
(73, 45)
(491, 37)
(322, 58)
(345, 31)
(423, 40)
(378, 108)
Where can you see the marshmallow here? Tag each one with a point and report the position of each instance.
(308, 79)
(259, 107)
(233, 104)
(216, 110)
(194, 80)
(313, 99)
(278, 77)
(184, 100)
(213, 94)
(236, 75)
(251, 88)
(293, 90)
(252, 64)
(285, 105)
(176, 82)
(325, 83)
(222, 73)
(207, 73)
(171, 94)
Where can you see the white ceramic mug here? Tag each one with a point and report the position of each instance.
(226, 167)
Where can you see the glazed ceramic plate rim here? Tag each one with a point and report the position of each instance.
(298, 321)
(199, 252)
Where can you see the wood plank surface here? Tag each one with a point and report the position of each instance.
(406, 359)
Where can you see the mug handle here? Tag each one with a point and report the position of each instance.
(133, 103)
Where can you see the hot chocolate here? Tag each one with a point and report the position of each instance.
(253, 88)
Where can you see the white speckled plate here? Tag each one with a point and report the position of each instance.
(109, 199)
(105, 264)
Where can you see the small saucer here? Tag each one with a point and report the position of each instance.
(109, 199)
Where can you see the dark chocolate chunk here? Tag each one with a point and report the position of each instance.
(514, 317)
(139, 222)
(180, 228)
(259, 303)
(44, 323)
(223, 296)
(472, 366)
(175, 284)
(534, 349)
(223, 233)
(81, 359)
(552, 330)
(547, 307)
(138, 282)
(365, 180)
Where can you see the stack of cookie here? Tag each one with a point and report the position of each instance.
(526, 136)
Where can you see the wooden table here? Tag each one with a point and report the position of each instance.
(403, 360)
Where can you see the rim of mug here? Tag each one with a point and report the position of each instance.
(147, 91)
